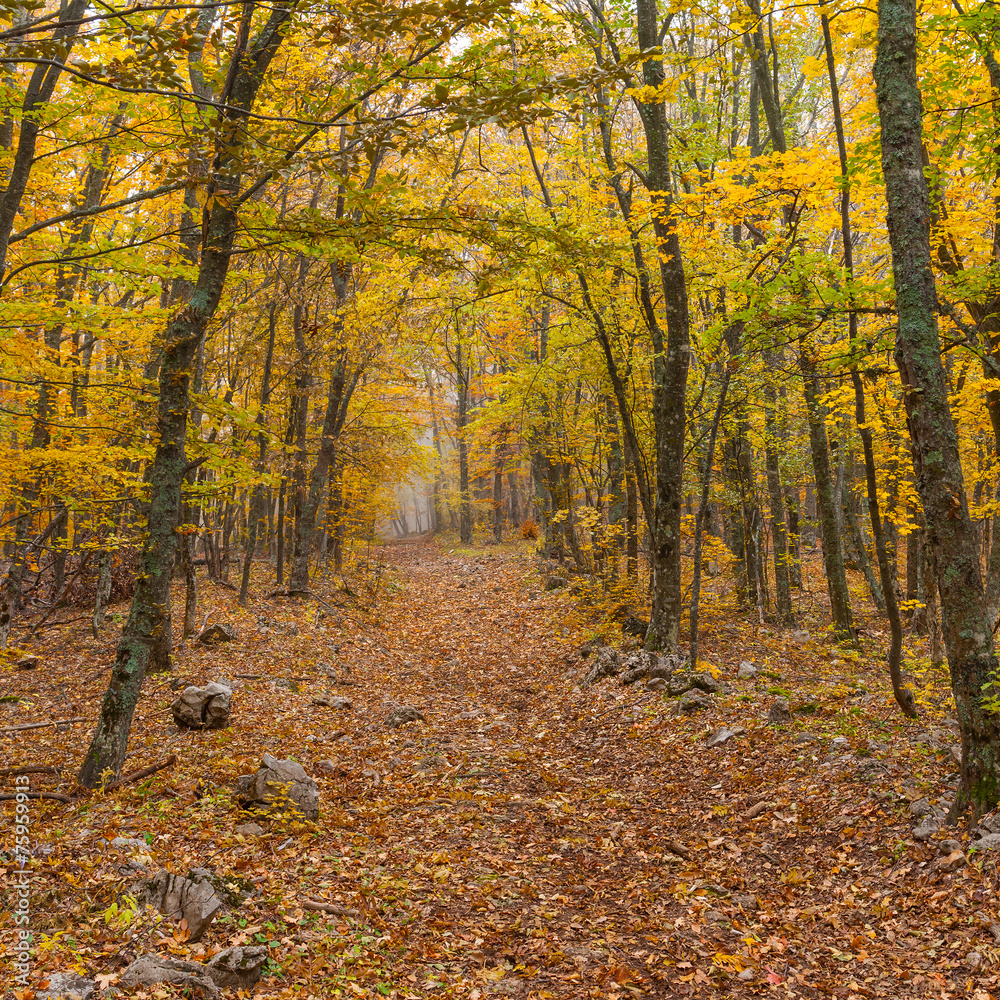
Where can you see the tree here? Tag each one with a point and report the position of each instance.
(936, 461)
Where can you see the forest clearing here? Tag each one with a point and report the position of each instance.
(499, 498)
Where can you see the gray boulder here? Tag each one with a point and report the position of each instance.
(656, 684)
(780, 712)
(721, 736)
(704, 681)
(555, 582)
(238, 968)
(637, 666)
(926, 829)
(747, 671)
(149, 970)
(693, 701)
(607, 663)
(991, 842)
(249, 830)
(67, 986)
(279, 785)
(401, 714)
(216, 633)
(181, 898)
(203, 708)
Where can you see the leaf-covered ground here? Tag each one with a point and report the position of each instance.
(530, 838)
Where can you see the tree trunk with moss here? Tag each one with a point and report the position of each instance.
(937, 466)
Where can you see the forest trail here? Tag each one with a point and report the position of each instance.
(529, 838)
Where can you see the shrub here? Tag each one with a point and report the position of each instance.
(529, 530)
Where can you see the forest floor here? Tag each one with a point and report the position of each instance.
(530, 838)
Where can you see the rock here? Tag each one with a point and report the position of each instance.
(949, 846)
(694, 701)
(635, 627)
(801, 635)
(203, 708)
(988, 824)
(216, 634)
(953, 862)
(667, 666)
(779, 713)
(990, 842)
(870, 769)
(31, 663)
(921, 807)
(704, 681)
(926, 829)
(183, 899)
(805, 738)
(607, 663)
(747, 671)
(342, 703)
(279, 784)
(249, 830)
(238, 968)
(149, 970)
(656, 684)
(125, 842)
(720, 736)
(589, 648)
(470, 713)
(556, 582)
(401, 714)
(637, 666)
(840, 743)
(974, 960)
(67, 986)
(744, 900)
(327, 766)
(746, 975)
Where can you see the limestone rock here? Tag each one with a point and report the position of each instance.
(203, 708)
(67, 986)
(150, 970)
(637, 666)
(249, 830)
(279, 784)
(183, 899)
(238, 968)
(747, 671)
(704, 681)
(953, 862)
(607, 663)
(926, 829)
(949, 846)
(635, 627)
(555, 582)
(720, 736)
(801, 635)
(216, 634)
(402, 714)
(780, 712)
(694, 701)
(921, 807)
(656, 684)
(991, 842)
(30, 663)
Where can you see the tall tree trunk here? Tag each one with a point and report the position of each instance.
(937, 465)
(145, 642)
(826, 503)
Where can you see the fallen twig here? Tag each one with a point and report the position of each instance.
(41, 725)
(39, 795)
(679, 849)
(144, 773)
(30, 769)
(332, 908)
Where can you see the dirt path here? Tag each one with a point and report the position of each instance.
(532, 839)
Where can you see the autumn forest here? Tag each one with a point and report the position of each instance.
(499, 499)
